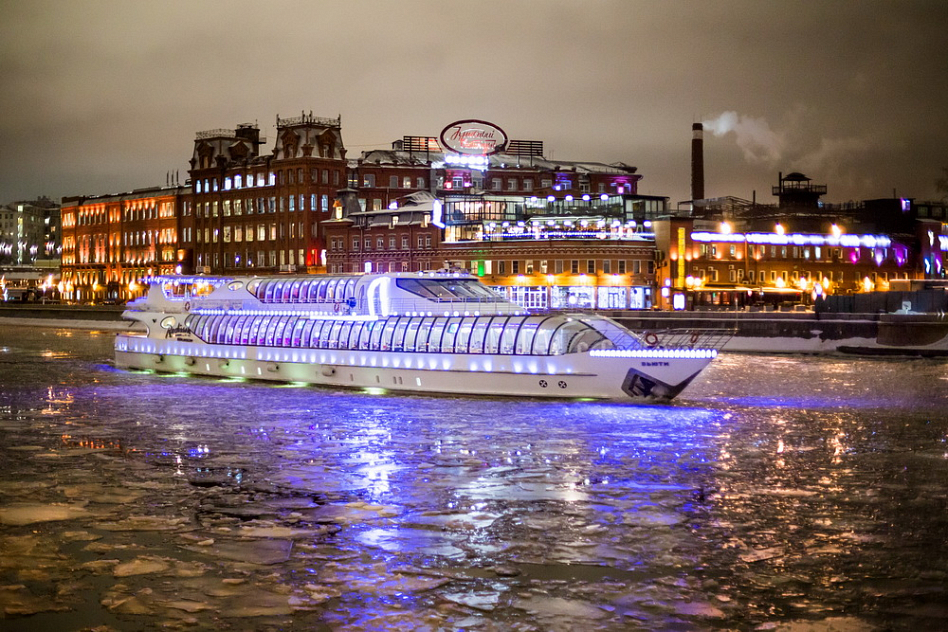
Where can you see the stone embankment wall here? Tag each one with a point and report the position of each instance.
(803, 325)
(62, 312)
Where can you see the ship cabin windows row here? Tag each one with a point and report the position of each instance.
(502, 334)
(297, 290)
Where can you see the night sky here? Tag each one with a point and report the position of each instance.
(106, 96)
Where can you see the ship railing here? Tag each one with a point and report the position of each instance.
(694, 338)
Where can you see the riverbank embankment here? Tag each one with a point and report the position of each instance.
(755, 332)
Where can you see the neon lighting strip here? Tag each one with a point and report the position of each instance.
(654, 353)
(796, 239)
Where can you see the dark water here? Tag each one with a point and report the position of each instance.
(788, 493)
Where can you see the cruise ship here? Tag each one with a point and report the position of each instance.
(426, 332)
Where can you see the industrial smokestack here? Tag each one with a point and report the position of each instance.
(697, 161)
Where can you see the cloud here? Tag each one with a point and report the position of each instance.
(754, 137)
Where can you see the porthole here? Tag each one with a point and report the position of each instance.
(168, 322)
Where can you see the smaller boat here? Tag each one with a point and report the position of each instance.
(422, 332)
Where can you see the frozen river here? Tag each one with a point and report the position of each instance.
(789, 493)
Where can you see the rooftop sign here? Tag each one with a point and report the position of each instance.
(473, 138)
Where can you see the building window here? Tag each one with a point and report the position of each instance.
(515, 267)
(528, 184)
(512, 184)
(380, 243)
(355, 243)
(607, 266)
(391, 242)
(574, 266)
(495, 184)
(420, 183)
(368, 180)
(404, 242)
(591, 266)
(620, 269)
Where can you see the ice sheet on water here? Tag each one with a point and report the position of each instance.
(140, 522)
(18, 600)
(152, 564)
(548, 607)
(264, 552)
(19, 514)
(418, 541)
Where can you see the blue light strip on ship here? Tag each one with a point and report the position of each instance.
(693, 354)
(206, 311)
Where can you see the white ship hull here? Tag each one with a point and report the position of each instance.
(419, 332)
(579, 375)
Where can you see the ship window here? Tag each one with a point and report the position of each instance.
(365, 335)
(258, 324)
(197, 325)
(492, 339)
(270, 331)
(388, 331)
(212, 329)
(305, 332)
(244, 333)
(227, 332)
(274, 291)
(421, 340)
(334, 335)
(350, 288)
(613, 336)
(321, 291)
(278, 292)
(476, 343)
(233, 286)
(528, 331)
(282, 335)
(354, 334)
(297, 330)
(540, 345)
(344, 331)
(313, 292)
(315, 339)
(411, 334)
(451, 337)
(375, 342)
(295, 294)
(434, 337)
(463, 337)
(509, 336)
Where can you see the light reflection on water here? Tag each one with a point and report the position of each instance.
(776, 491)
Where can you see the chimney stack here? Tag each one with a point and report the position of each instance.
(697, 161)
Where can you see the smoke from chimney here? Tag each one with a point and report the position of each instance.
(697, 161)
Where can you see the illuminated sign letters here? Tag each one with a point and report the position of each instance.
(473, 138)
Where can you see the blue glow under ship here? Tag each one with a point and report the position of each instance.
(422, 332)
